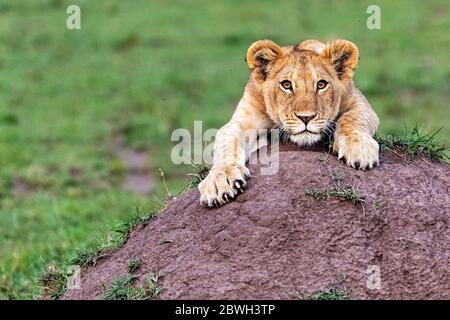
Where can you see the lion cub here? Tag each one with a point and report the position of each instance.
(302, 90)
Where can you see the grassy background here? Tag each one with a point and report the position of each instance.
(144, 68)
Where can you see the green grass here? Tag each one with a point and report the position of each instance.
(153, 286)
(416, 144)
(144, 68)
(115, 240)
(123, 288)
(53, 282)
(330, 294)
(339, 192)
(133, 265)
(200, 173)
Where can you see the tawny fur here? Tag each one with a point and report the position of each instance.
(266, 104)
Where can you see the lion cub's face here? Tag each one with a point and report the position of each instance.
(302, 88)
(303, 96)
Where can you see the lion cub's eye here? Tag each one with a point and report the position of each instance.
(286, 85)
(321, 84)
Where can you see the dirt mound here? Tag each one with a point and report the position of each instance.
(318, 227)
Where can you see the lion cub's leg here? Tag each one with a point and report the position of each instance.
(355, 128)
(234, 141)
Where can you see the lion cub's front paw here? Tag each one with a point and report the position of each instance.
(359, 151)
(222, 184)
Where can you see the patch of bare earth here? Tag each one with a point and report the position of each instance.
(276, 242)
(137, 172)
(21, 187)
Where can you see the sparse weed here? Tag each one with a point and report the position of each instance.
(152, 283)
(123, 288)
(330, 294)
(133, 265)
(84, 257)
(338, 177)
(342, 193)
(163, 178)
(201, 171)
(379, 210)
(415, 144)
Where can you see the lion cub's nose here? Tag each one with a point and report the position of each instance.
(305, 119)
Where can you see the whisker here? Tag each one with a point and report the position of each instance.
(283, 134)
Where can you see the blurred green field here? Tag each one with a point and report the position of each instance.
(144, 68)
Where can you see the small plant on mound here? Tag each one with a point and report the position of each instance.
(415, 144)
(201, 171)
(342, 193)
(330, 294)
(336, 291)
(133, 265)
(123, 288)
(84, 257)
(152, 284)
(339, 192)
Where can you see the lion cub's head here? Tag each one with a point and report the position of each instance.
(302, 85)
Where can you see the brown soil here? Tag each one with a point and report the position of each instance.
(275, 242)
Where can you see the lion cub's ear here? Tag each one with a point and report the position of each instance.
(261, 54)
(344, 56)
